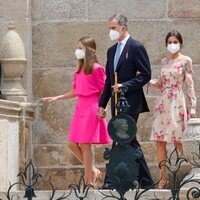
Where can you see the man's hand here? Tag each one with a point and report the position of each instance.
(116, 87)
(101, 113)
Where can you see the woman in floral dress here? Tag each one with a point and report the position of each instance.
(171, 111)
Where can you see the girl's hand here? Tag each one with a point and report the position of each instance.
(101, 113)
(49, 99)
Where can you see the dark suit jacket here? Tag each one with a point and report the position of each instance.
(133, 59)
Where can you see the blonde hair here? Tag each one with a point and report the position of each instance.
(90, 55)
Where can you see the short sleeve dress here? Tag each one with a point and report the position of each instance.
(171, 110)
(85, 126)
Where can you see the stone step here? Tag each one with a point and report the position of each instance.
(150, 153)
(148, 148)
(95, 194)
(63, 177)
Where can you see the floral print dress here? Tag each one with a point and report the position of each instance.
(171, 110)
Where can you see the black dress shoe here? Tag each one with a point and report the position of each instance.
(107, 186)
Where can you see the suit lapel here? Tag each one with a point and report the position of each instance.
(112, 57)
(123, 54)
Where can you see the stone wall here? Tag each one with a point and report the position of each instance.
(50, 30)
(57, 25)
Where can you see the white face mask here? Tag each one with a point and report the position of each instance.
(114, 35)
(173, 48)
(80, 54)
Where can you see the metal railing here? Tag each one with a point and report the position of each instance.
(30, 178)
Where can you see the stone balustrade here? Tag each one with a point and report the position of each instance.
(15, 139)
(191, 148)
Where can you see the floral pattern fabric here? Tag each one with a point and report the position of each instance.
(171, 110)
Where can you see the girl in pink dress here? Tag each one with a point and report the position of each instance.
(86, 128)
(171, 112)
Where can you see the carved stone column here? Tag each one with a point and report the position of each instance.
(191, 145)
(13, 62)
(16, 120)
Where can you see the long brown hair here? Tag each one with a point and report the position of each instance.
(90, 55)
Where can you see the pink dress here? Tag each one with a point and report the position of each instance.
(86, 127)
(171, 110)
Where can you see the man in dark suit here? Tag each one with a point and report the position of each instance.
(128, 58)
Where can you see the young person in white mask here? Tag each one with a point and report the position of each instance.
(86, 128)
(171, 111)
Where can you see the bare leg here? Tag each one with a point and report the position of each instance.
(87, 161)
(179, 146)
(77, 151)
(161, 156)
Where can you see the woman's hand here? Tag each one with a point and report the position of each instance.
(155, 83)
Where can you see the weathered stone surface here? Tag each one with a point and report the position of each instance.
(144, 123)
(96, 10)
(21, 28)
(62, 9)
(57, 45)
(149, 150)
(11, 45)
(57, 25)
(53, 156)
(56, 49)
(12, 55)
(9, 148)
(155, 172)
(196, 78)
(52, 82)
(54, 123)
(154, 41)
(183, 8)
(49, 51)
(13, 10)
(60, 177)
(98, 152)
(149, 90)
(63, 177)
(4, 155)
(137, 9)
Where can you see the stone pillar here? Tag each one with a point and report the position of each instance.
(15, 140)
(191, 142)
(13, 62)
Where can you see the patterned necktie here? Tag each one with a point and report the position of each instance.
(117, 55)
